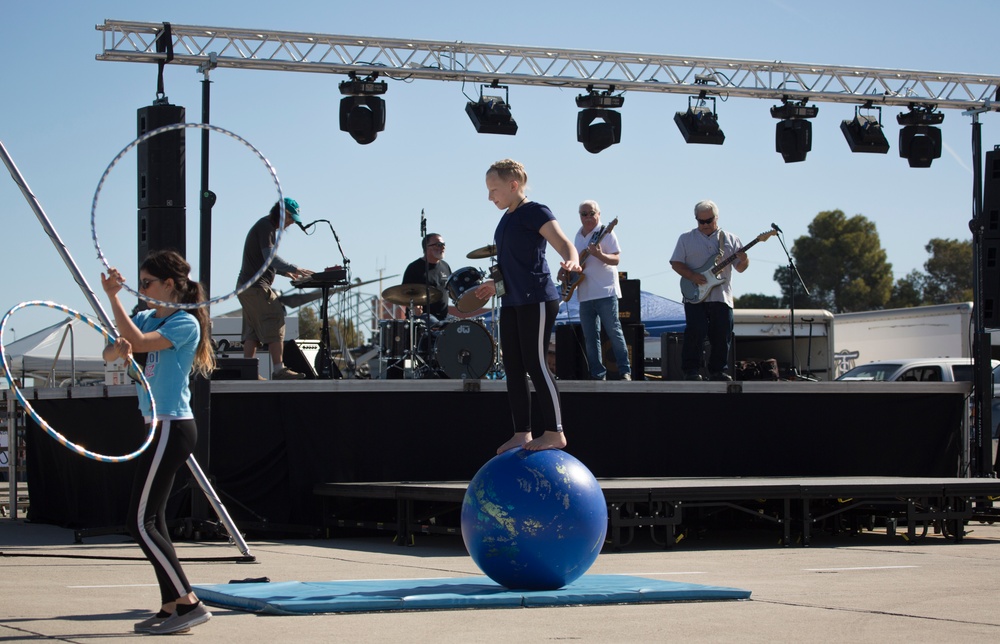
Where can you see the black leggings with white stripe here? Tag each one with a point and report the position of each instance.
(524, 337)
(154, 479)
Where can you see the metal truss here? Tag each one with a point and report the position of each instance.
(209, 47)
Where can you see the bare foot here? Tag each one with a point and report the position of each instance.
(548, 440)
(519, 439)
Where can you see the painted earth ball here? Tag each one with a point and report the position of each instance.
(534, 520)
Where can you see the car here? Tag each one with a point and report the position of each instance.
(916, 370)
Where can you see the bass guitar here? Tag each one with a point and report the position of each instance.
(694, 293)
(569, 281)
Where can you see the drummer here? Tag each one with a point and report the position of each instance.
(430, 270)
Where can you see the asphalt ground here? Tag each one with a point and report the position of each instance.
(841, 588)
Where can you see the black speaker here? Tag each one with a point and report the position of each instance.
(161, 229)
(670, 356)
(571, 360)
(235, 369)
(630, 303)
(991, 195)
(300, 356)
(990, 249)
(160, 158)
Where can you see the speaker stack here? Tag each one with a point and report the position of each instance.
(990, 248)
(160, 189)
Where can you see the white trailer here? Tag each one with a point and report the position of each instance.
(937, 331)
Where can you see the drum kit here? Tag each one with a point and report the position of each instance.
(459, 348)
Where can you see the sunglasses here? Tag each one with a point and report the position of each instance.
(144, 283)
(587, 214)
(704, 222)
(438, 245)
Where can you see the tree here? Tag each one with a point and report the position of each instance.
(949, 272)
(842, 264)
(757, 301)
(908, 291)
(309, 323)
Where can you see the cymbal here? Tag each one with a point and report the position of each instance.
(483, 253)
(417, 293)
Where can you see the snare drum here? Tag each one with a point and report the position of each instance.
(462, 349)
(461, 286)
(394, 337)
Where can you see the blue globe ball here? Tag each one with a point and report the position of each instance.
(534, 520)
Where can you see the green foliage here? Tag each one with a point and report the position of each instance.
(842, 263)
(757, 301)
(949, 271)
(309, 323)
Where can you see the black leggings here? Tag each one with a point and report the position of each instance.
(524, 338)
(154, 478)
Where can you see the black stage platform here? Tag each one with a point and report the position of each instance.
(796, 505)
(271, 443)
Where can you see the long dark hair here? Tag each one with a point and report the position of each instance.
(169, 264)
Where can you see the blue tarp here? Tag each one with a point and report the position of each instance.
(659, 314)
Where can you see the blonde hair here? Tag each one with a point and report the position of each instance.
(509, 170)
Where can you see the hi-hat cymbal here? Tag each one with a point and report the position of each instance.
(416, 293)
(484, 252)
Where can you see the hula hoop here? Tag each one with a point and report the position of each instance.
(79, 449)
(215, 300)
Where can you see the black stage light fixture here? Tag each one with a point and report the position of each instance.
(919, 140)
(362, 111)
(598, 127)
(700, 124)
(793, 133)
(491, 114)
(864, 132)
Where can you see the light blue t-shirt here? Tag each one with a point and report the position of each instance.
(168, 370)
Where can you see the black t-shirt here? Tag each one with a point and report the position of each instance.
(437, 276)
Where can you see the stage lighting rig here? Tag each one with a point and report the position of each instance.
(793, 133)
(919, 140)
(864, 133)
(700, 124)
(362, 111)
(491, 114)
(599, 107)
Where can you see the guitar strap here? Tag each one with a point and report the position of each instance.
(722, 240)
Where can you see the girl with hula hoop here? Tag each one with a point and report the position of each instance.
(176, 343)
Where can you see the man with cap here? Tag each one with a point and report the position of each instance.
(263, 314)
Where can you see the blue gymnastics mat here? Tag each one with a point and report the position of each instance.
(310, 597)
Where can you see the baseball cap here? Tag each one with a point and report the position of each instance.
(292, 208)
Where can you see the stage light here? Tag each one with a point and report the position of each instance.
(362, 112)
(700, 124)
(491, 114)
(793, 133)
(864, 133)
(919, 141)
(597, 126)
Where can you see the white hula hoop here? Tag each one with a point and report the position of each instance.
(51, 431)
(215, 300)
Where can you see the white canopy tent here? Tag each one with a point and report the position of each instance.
(66, 352)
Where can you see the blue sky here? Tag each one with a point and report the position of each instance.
(65, 116)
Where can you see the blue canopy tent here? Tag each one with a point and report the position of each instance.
(659, 314)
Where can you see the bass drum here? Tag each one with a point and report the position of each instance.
(463, 350)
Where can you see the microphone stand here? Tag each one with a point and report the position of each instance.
(793, 274)
(326, 368)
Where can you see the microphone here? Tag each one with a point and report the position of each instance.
(304, 228)
(775, 226)
(423, 224)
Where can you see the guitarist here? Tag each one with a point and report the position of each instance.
(598, 291)
(712, 318)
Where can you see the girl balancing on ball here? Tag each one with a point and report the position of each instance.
(176, 343)
(529, 301)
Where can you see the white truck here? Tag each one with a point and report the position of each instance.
(937, 331)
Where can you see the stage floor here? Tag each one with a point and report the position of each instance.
(795, 504)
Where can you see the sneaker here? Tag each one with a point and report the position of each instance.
(177, 622)
(692, 376)
(287, 374)
(145, 625)
(719, 375)
(627, 376)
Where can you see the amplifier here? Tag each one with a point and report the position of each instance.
(300, 356)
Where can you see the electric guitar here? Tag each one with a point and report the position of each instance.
(569, 281)
(694, 293)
